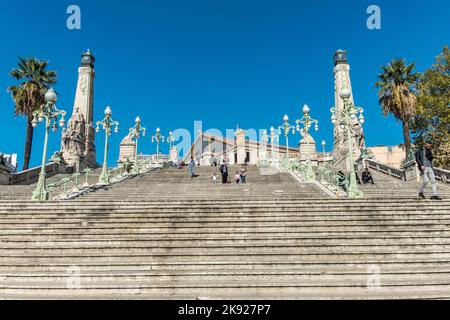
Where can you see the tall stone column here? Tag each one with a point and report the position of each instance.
(78, 138)
(240, 146)
(341, 80)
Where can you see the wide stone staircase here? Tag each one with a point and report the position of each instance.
(162, 235)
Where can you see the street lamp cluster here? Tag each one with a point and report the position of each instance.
(50, 114)
(347, 118)
(286, 127)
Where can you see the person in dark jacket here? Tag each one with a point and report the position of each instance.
(367, 176)
(224, 172)
(424, 159)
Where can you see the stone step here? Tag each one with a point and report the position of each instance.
(247, 236)
(239, 293)
(227, 268)
(219, 280)
(233, 250)
(235, 259)
(191, 244)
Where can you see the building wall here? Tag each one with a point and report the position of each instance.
(389, 155)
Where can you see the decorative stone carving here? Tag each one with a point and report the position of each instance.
(73, 137)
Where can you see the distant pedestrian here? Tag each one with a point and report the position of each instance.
(243, 174)
(237, 177)
(424, 159)
(191, 167)
(224, 172)
(127, 165)
(214, 177)
(367, 176)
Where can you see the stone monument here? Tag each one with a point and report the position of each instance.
(77, 145)
(307, 148)
(342, 80)
(127, 148)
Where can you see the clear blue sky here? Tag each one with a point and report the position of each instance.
(222, 62)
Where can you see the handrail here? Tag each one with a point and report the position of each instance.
(442, 175)
(390, 171)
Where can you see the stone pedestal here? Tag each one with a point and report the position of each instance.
(411, 171)
(127, 149)
(240, 145)
(173, 156)
(308, 148)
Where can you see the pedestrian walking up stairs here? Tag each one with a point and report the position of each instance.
(162, 235)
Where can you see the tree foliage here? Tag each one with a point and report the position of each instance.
(432, 122)
(28, 95)
(397, 93)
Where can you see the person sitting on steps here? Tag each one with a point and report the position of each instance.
(237, 177)
(367, 176)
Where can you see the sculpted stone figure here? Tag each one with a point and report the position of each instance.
(74, 136)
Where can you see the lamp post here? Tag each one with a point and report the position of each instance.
(170, 139)
(136, 134)
(158, 138)
(346, 118)
(50, 113)
(107, 123)
(307, 121)
(286, 127)
(323, 146)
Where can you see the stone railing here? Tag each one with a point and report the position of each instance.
(409, 171)
(84, 182)
(442, 175)
(31, 176)
(330, 179)
(390, 171)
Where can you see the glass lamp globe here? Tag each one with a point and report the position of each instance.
(306, 109)
(345, 93)
(108, 111)
(50, 96)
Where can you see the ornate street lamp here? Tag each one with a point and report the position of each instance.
(307, 123)
(347, 118)
(136, 134)
(107, 123)
(50, 113)
(286, 128)
(158, 138)
(170, 139)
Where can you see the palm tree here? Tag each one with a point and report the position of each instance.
(398, 89)
(29, 95)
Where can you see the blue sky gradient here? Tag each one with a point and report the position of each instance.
(223, 62)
